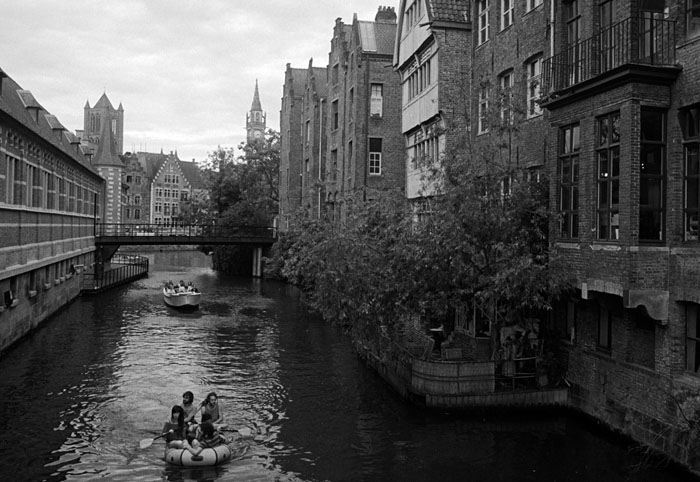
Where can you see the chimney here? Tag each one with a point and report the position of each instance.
(385, 15)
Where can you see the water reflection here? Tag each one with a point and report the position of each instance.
(81, 392)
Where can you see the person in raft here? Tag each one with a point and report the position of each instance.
(175, 429)
(190, 410)
(208, 438)
(211, 406)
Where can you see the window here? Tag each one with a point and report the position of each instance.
(506, 13)
(419, 78)
(351, 104)
(482, 117)
(482, 12)
(573, 36)
(692, 338)
(505, 82)
(652, 175)
(604, 328)
(137, 199)
(534, 74)
(569, 148)
(307, 131)
(690, 124)
(128, 178)
(334, 116)
(334, 74)
(610, 54)
(376, 100)
(375, 156)
(608, 155)
(532, 4)
(692, 17)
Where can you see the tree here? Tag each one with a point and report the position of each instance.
(485, 242)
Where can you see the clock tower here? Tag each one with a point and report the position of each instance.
(255, 119)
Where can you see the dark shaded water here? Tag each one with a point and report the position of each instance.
(78, 395)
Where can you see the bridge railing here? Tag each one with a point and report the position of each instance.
(210, 231)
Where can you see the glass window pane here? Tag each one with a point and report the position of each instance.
(603, 165)
(603, 195)
(692, 160)
(691, 193)
(652, 125)
(615, 152)
(615, 129)
(575, 138)
(615, 193)
(652, 160)
(650, 225)
(603, 131)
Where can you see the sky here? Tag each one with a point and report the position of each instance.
(184, 70)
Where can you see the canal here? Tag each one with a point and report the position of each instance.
(78, 395)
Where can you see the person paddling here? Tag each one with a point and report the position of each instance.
(211, 406)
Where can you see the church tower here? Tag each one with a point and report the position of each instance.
(255, 119)
(103, 136)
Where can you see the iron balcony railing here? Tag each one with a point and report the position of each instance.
(644, 41)
(188, 230)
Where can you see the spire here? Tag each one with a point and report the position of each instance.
(256, 99)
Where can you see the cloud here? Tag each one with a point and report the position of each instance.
(184, 70)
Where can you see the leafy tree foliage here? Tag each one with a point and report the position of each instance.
(244, 192)
(482, 240)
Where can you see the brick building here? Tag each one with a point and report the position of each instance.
(156, 185)
(365, 147)
(50, 196)
(622, 92)
(433, 55)
(313, 141)
(290, 144)
(349, 129)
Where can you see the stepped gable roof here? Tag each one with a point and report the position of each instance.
(298, 77)
(448, 10)
(191, 171)
(153, 162)
(20, 105)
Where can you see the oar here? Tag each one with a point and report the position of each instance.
(145, 443)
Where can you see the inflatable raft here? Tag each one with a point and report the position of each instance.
(209, 456)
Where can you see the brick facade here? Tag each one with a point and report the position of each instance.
(50, 196)
(290, 145)
(631, 361)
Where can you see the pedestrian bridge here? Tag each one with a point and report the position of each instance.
(108, 238)
(160, 234)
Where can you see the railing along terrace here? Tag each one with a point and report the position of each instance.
(194, 230)
(636, 40)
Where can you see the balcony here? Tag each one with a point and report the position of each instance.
(641, 46)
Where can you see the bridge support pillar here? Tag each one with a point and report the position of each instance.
(257, 262)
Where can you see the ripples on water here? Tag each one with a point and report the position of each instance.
(80, 393)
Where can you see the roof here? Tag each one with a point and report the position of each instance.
(298, 77)
(256, 106)
(106, 153)
(377, 37)
(20, 105)
(152, 163)
(104, 102)
(448, 10)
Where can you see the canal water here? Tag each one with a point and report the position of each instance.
(77, 396)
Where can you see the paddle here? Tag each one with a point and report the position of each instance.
(145, 443)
